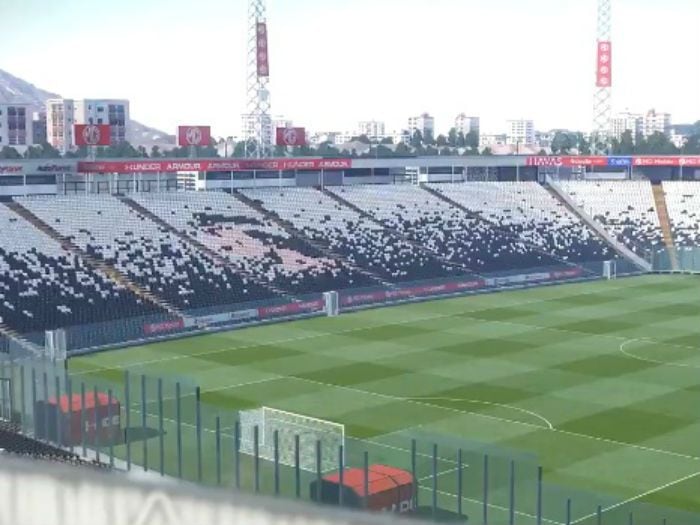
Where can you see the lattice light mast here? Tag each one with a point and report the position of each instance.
(257, 122)
(602, 104)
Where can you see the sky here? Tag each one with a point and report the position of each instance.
(336, 62)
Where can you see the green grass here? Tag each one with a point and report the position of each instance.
(597, 382)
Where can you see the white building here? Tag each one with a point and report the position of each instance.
(465, 124)
(372, 129)
(250, 125)
(16, 126)
(62, 114)
(423, 123)
(678, 139)
(489, 140)
(60, 117)
(521, 132)
(654, 122)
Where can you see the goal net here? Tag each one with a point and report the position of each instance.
(288, 425)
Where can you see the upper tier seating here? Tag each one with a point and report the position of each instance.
(42, 286)
(527, 211)
(683, 204)
(443, 228)
(356, 238)
(257, 245)
(156, 259)
(625, 208)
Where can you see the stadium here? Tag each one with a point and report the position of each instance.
(499, 340)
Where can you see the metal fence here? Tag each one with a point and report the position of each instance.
(170, 427)
(687, 260)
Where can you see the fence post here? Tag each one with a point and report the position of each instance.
(366, 479)
(218, 450)
(319, 478)
(161, 429)
(435, 481)
(178, 423)
(22, 400)
(47, 437)
(341, 473)
(143, 422)
(111, 436)
(568, 511)
(276, 443)
(34, 400)
(256, 455)
(599, 515)
(539, 495)
(127, 430)
(486, 490)
(237, 452)
(297, 466)
(414, 471)
(59, 427)
(512, 493)
(459, 482)
(97, 423)
(69, 422)
(198, 425)
(83, 437)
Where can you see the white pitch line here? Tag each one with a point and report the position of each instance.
(489, 403)
(638, 497)
(654, 361)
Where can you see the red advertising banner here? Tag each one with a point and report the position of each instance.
(542, 160)
(691, 162)
(166, 166)
(604, 64)
(557, 161)
(291, 308)
(164, 326)
(585, 161)
(263, 59)
(92, 135)
(193, 136)
(291, 136)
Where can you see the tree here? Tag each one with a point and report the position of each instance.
(625, 145)
(657, 144)
(326, 149)
(382, 151)
(428, 138)
(471, 140)
(402, 150)
(362, 138)
(417, 139)
(142, 151)
(155, 152)
(461, 140)
(452, 137)
(562, 143)
(487, 151)
(9, 153)
(387, 140)
(692, 145)
(441, 141)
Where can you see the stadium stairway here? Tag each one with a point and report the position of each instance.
(106, 269)
(218, 258)
(665, 222)
(598, 228)
(294, 232)
(343, 202)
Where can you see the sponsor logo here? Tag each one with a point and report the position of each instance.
(193, 136)
(55, 168)
(10, 169)
(92, 135)
(544, 161)
(165, 326)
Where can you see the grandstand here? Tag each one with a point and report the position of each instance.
(474, 377)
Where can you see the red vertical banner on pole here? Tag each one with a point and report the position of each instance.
(262, 52)
(604, 64)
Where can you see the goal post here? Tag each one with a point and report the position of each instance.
(288, 425)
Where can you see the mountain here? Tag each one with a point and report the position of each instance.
(13, 89)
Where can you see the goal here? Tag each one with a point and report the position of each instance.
(288, 425)
(610, 269)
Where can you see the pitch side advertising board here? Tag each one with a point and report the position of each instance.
(154, 166)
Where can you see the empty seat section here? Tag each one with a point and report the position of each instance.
(444, 229)
(251, 242)
(625, 208)
(350, 235)
(527, 211)
(157, 259)
(43, 287)
(683, 204)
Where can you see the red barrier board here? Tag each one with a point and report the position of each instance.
(165, 326)
(155, 166)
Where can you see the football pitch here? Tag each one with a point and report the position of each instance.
(598, 383)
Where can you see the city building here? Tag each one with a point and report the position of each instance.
(465, 124)
(654, 122)
(678, 139)
(423, 123)
(250, 125)
(521, 131)
(375, 130)
(16, 126)
(39, 127)
(60, 118)
(62, 114)
(491, 139)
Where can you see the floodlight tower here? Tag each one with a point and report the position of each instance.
(256, 121)
(602, 100)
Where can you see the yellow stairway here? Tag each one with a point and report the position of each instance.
(662, 211)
